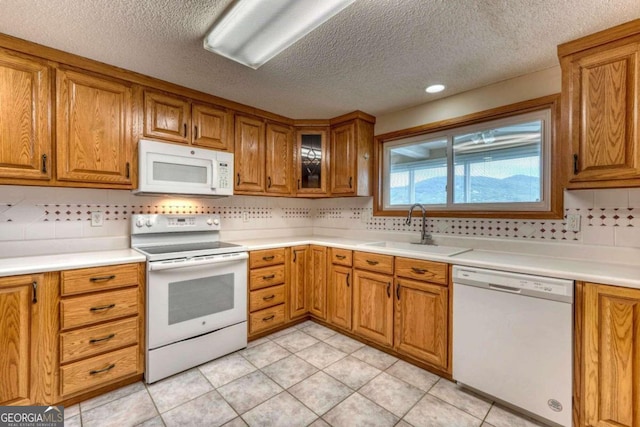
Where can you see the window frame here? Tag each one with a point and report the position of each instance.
(554, 160)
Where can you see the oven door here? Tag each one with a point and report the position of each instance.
(187, 298)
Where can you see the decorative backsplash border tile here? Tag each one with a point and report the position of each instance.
(241, 212)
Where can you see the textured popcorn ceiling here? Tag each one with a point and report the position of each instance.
(376, 55)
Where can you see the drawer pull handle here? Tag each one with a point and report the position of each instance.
(341, 256)
(102, 307)
(270, 297)
(370, 262)
(102, 278)
(266, 319)
(107, 338)
(418, 270)
(99, 371)
(268, 258)
(269, 277)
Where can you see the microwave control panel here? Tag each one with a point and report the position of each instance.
(223, 174)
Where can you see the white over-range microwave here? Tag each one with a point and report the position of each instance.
(165, 168)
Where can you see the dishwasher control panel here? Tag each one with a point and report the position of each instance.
(514, 282)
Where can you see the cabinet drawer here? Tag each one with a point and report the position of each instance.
(97, 339)
(266, 257)
(429, 271)
(268, 276)
(98, 370)
(267, 297)
(78, 311)
(99, 278)
(265, 319)
(341, 257)
(373, 262)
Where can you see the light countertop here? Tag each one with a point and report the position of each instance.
(627, 275)
(58, 262)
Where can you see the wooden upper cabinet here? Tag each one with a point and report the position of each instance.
(25, 108)
(351, 157)
(94, 129)
(167, 117)
(249, 154)
(600, 84)
(279, 159)
(212, 127)
(311, 165)
(611, 354)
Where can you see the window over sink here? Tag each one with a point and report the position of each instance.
(489, 166)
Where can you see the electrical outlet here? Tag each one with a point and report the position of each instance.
(245, 216)
(97, 219)
(573, 222)
(365, 217)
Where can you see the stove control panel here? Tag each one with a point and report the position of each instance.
(167, 223)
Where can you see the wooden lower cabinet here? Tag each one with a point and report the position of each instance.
(339, 296)
(318, 281)
(373, 306)
(611, 356)
(421, 321)
(268, 299)
(28, 328)
(298, 279)
(101, 329)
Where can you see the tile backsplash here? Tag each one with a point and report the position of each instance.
(608, 217)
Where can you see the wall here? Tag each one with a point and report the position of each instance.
(36, 220)
(529, 86)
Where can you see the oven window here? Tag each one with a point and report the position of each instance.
(195, 298)
(176, 172)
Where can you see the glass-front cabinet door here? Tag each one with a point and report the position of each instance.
(311, 162)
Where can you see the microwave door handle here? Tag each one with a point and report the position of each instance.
(158, 266)
(214, 174)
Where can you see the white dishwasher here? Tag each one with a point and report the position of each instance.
(513, 339)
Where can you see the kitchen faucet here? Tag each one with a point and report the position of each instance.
(425, 238)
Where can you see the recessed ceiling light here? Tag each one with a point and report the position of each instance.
(434, 88)
(252, 32)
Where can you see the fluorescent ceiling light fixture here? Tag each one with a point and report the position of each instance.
(252, 32)
(434, 88)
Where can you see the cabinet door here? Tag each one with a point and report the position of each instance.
(318, 281)
(212, 127)
(167, 117)
(373, 306)
(94, 126)
(16, 296)
(298, 281)
(25, 128)
(249, 154)
(343, 159)
(421, 323)
(279, 159)
(604, 115)
(339, 296)
(311, 162)
(611, 356)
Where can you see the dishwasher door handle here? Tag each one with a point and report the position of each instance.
(502, 288)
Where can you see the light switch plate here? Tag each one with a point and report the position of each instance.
(245, 216)
(573, 222)
(97, 219)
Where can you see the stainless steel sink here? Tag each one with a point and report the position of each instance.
(416, 247)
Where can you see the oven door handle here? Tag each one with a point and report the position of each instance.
(217, 259)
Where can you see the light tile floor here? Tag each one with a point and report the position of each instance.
(306, 375)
